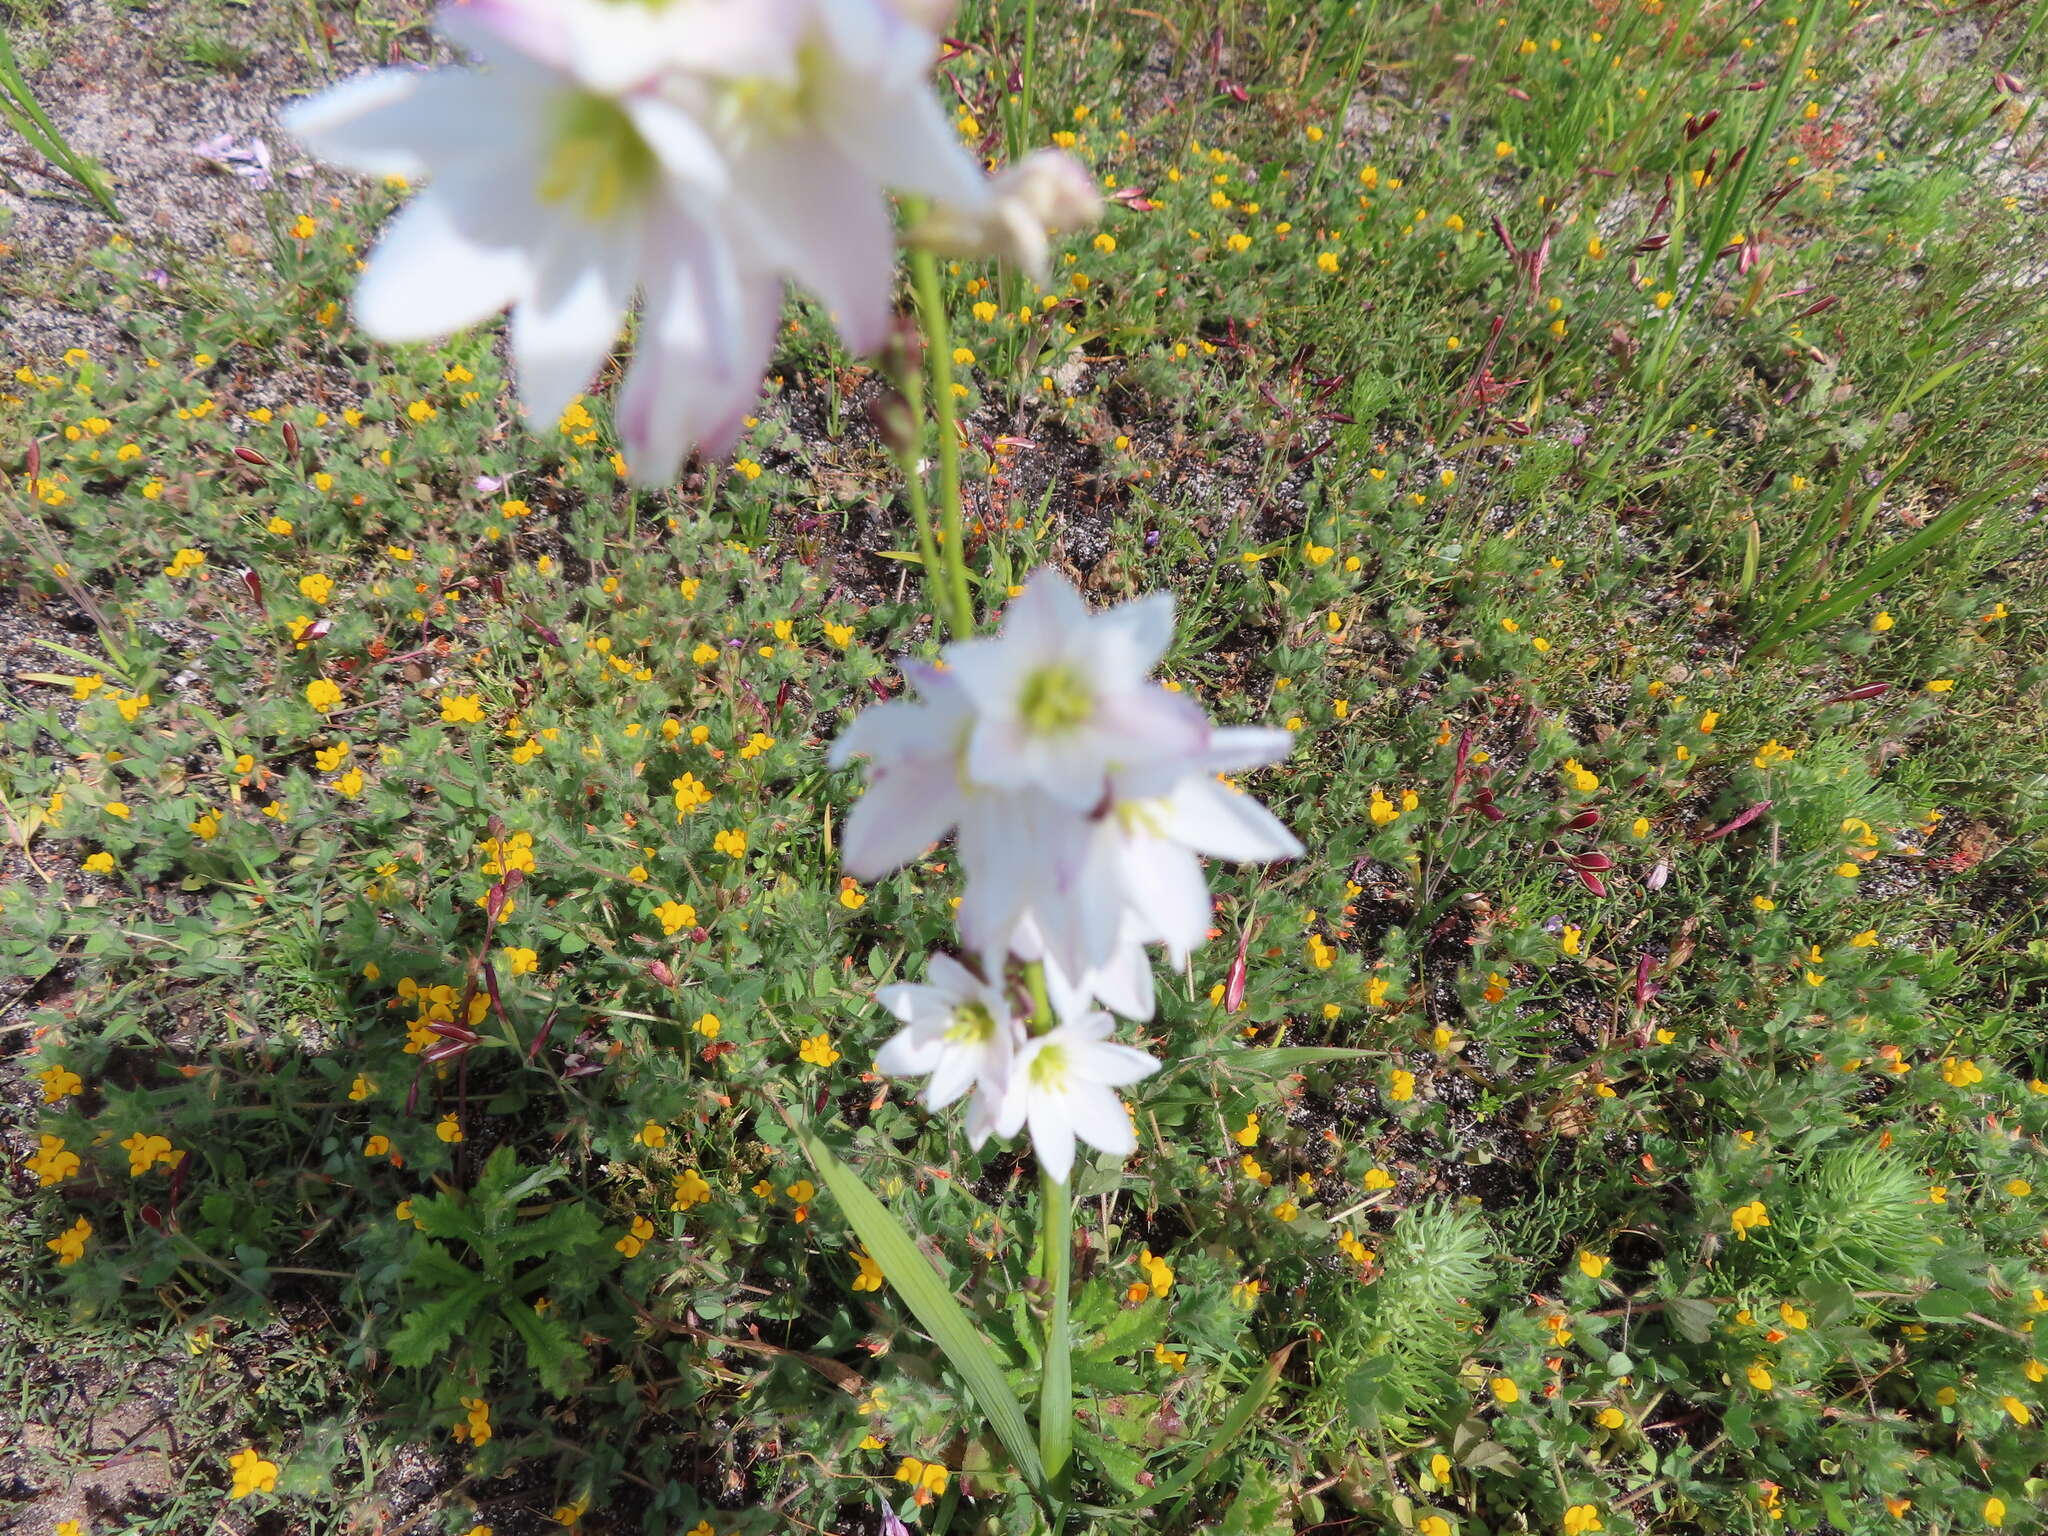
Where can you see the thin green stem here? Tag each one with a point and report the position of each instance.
(910, 384)
(931, 309)
(1056, 1392)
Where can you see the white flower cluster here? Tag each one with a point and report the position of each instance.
(1084, 795)
(693, 153)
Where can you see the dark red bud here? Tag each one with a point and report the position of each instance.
(35, 460)
(252, 581)
(317, 630)
(1645, 989)
(1819, 307)
(782, 696)
(663, 976)
(1585, 819)
(1597, 861)
(1653, 243)
(291, 439)
(1591, 881)
(1857, 695)
(251, 456)
(1489, 810)
(1695, 126)
(152, 1216)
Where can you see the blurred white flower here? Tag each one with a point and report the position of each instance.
(959, 1032)
(1063, 1087)
(694, 153)
(547, 196)
(1063, 698)
(1045, 193)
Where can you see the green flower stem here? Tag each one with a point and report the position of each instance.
(1056, 1391)
(910, 385)
(931, 308)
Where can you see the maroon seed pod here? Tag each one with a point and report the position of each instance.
(1593, 861)
(291, 439)
(1579, 823)
(251, 456)
(1591, 881)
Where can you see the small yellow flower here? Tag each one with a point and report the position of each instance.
(323, 695)
(869, 1277)
(1610, 1418)
(1746, 1218)
(69, 1245)
(449, 1129)
(707, 1026)
(635, 1238)
(690, 1190)
(1759, 1375)
(818, 1051)
(252, 1473)
(1401, 1088)
(462, 709)
(1582, 1518)
(674, 916)
(1592, 1265)
(1504, 1389)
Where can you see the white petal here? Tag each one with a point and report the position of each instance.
(1117, 1066)
(1164, 886)
(563, 331)
(1098, 1117)
(904, 139)
(952, 1075)
(1235, 748)
(984, 1112)
(1052, 1137)
(704, 336)
(826, 223)
(1225, 824)
(1132, 638)
(905, 811)
(371, 124)
(686, 151)
(906, 1055)
(429, 276)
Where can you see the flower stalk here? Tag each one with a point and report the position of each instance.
(931, 309)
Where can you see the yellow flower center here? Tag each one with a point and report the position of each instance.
(599, 160)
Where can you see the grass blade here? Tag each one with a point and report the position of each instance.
(1226, 1435)
(911, 1276)
(1056, 1389)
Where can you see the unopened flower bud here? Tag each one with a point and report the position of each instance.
(893, 422)
(1046, 192)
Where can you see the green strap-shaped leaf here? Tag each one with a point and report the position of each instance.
(911, 1275)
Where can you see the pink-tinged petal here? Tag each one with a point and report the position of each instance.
(1098, 1117)
(820, 219)
(1131, 639)
(736, 39)
(696, 369)
(1221, 822)
(1052, 1136)
(505, 32)
(904, 812)
(429, 276)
